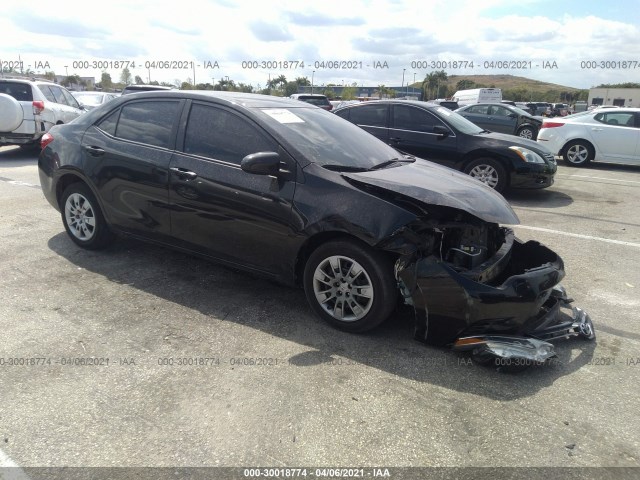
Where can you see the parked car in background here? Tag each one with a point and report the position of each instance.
(607, 135)
(542, 109)
(450, 104)
(438, 134)
(314, 99)
(287, 190)
(525, 106)
(91, 100)
(477, 95)
(559, 110)
(509, 102)
(29, 108)
(502, 118)
(144, 88)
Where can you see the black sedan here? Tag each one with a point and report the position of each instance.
(503, 119)
(290, 191)
(442, 136)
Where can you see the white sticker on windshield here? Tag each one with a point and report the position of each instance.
(282, 115)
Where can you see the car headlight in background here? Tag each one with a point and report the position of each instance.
(527, 155)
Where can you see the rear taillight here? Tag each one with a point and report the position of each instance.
(38, 107)
(552, 124)
(46, 139)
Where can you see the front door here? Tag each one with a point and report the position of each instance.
(217, 208)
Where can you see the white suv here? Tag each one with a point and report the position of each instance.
(29, 108)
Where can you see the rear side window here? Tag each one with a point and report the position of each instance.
(624, 119)
(149, 122)
(481, 109)
(369, 115)
(20, 91)
(412, 118)
(218, 134)
(48, 94)
(57, 93)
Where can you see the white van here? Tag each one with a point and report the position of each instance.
(477, 95)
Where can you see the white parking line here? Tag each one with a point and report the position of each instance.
(577, 235)
(594, 178)
(9, 470)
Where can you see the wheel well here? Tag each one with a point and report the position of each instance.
(63, 183)
(473, 156)
(313, 243)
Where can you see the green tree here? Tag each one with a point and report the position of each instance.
(349, 93)
(138, 80)
(290, 88)
(126, 77)
(465, 84)
(105, 81)
(71, 80)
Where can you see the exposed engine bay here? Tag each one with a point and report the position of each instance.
(475, 286)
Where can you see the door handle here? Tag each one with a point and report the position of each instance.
(183, 174)
(94, 151)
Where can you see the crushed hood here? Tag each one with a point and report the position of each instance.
(436, 185)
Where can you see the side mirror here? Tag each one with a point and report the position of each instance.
(441, 130)
(513, 115)
(261, 163)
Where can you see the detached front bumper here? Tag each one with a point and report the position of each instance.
(509, 306)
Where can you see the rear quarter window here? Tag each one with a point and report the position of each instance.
(149, 122)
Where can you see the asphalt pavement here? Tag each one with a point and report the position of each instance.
(140, 356)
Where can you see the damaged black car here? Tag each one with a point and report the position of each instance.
(289, 191)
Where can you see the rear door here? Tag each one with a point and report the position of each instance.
(126, 155)
(217, 208)
(502, 119)
(413, 131)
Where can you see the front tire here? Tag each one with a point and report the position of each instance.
(489, 172)
(578, 153)
(83, 219)
(527, 132)
(350, 285)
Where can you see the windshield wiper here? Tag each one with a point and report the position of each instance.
(393, 161)
(344, 168)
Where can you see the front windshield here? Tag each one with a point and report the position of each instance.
(458, 122)
(88, 99)
(326, 139)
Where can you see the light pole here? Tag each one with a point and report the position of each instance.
(312, 75)
(403, 70)
(414, 83)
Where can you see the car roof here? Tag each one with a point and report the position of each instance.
(248, 100)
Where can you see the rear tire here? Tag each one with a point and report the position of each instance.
(83, 219)
(489, 172)
(577, 153)
(350, 285)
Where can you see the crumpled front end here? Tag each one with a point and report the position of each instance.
(477, 287)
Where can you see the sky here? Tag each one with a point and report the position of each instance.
(569, 42)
